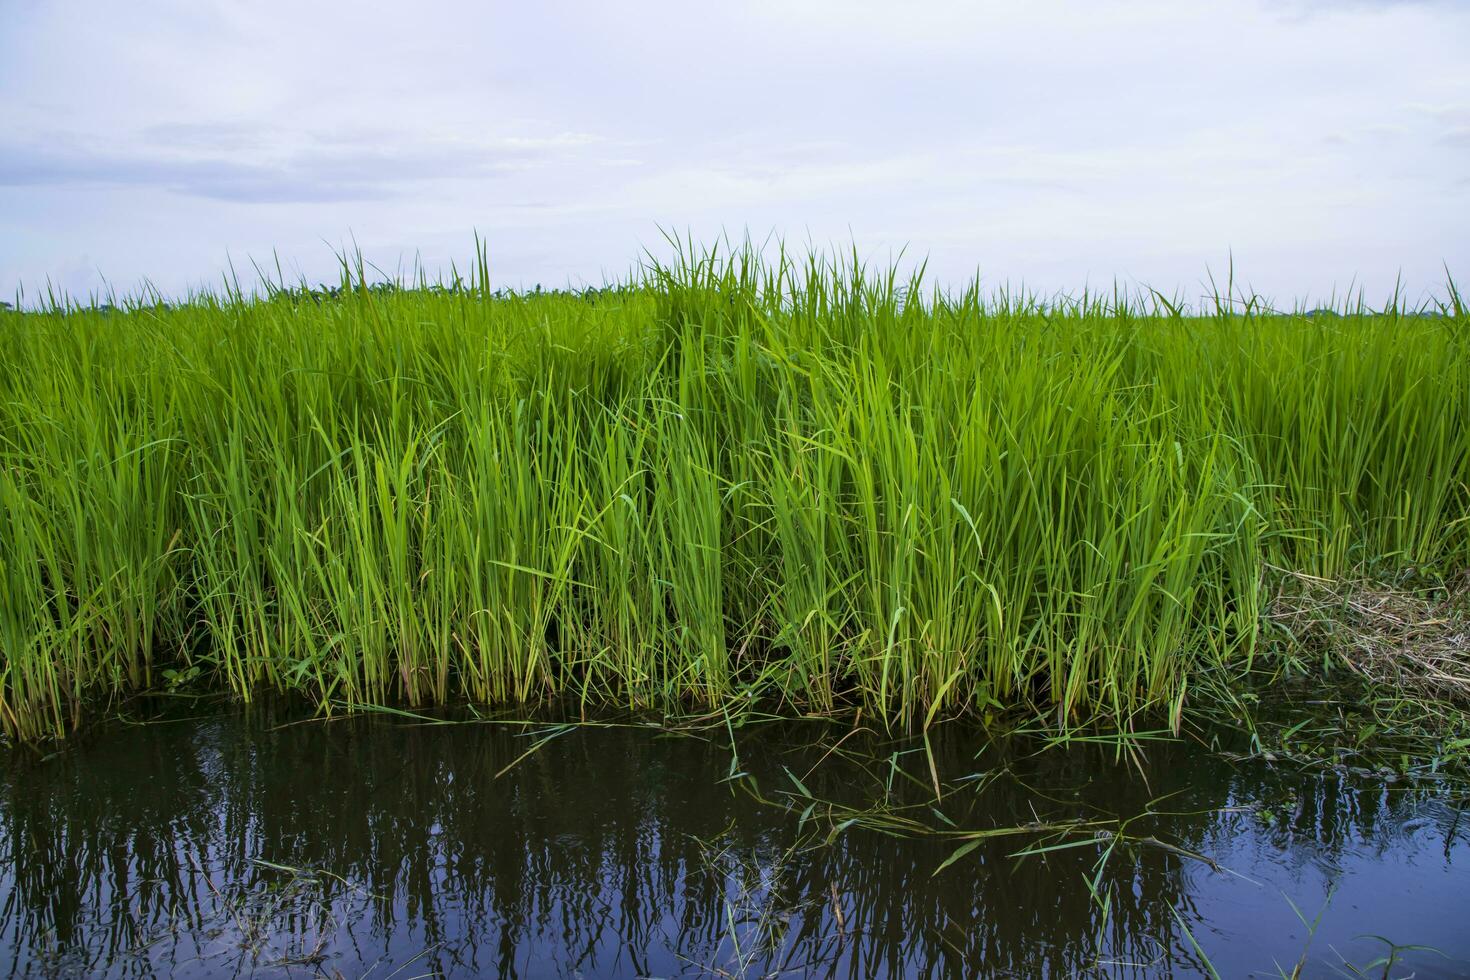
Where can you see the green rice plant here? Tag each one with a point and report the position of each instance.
(742, 477)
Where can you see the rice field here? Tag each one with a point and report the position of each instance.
(735, 480)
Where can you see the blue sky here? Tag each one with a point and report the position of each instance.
(1056, 144)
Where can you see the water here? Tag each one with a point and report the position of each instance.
(230, 845)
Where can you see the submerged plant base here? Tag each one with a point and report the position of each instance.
(734, 481)
(1371, 674)
(1414, 640)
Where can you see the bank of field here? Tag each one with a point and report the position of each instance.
(733, 482)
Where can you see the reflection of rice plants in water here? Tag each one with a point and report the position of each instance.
(734, 481)
(621, 851)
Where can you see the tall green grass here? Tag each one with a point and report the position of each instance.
(734, 479)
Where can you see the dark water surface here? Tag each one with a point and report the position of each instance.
(237, 844)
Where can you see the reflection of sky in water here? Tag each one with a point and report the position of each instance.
(617, 852)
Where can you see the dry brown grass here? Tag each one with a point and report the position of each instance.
(1414, 640)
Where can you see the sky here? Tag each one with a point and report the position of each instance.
(1315, 146)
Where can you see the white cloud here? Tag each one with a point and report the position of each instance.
(1055, 143)
(236, 163)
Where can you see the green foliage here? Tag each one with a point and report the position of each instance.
(737, 479)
